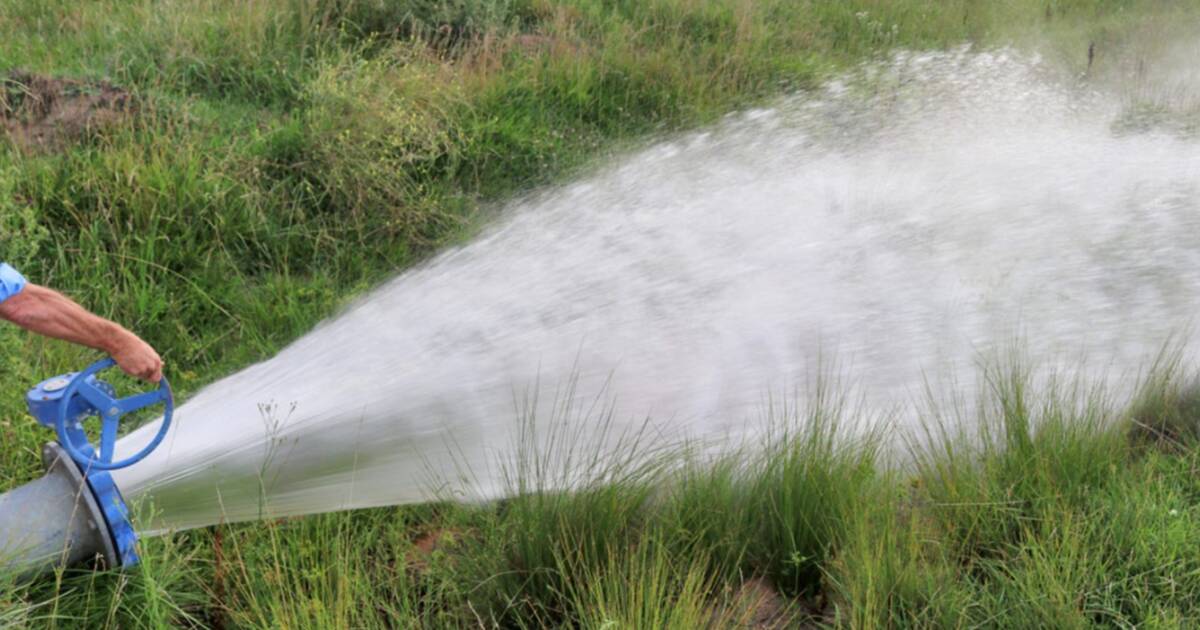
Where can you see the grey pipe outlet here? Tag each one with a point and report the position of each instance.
(53, 521)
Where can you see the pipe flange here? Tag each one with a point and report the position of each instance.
(116, 515)
(58, 462)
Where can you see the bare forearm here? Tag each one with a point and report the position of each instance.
(50, 313)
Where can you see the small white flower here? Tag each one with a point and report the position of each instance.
(1174, 512)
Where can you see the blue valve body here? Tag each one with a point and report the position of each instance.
(45, 397)
(44, 401)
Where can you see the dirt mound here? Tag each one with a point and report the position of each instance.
(46, 112)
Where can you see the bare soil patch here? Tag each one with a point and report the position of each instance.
(41, 112)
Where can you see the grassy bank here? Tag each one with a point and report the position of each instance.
(1056, 509)
(267, 160)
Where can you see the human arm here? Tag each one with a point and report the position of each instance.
(50, 313)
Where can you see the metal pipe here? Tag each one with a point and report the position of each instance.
(53, 521)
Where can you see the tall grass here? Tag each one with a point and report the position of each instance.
(1052, 513)
(1049, 515)
(643, 586)
(287, 154)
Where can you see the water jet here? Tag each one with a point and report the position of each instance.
(902, 220)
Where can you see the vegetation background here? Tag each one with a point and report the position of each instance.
(221, 175)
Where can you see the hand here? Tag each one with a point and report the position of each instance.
(137, 358)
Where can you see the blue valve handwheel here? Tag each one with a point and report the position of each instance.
(111, 409)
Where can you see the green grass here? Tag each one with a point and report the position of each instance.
(1055, 513)
(287, 155)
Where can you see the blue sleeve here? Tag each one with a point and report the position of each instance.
(11, 281)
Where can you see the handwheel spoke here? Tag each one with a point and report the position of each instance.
(108, 437)
(137, 401)
(96, 396)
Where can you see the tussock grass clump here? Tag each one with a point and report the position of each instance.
(691, 528)
(644, 586)
(571, 510)
(777, 510)
(314, 573)
(1033, 455)
(805, 492)
(1166, 411)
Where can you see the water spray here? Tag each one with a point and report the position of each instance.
(76, 511)
(905, 221)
